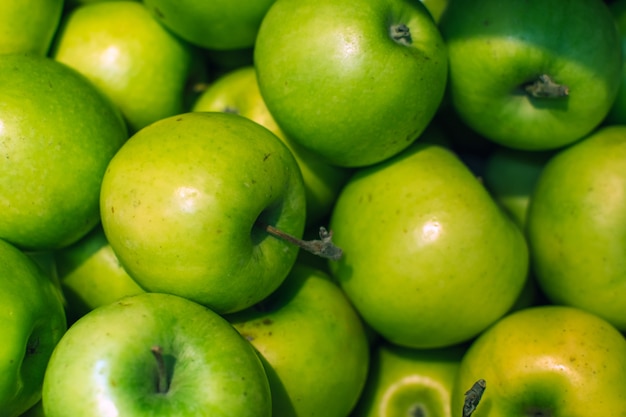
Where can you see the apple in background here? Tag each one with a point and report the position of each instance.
(546, 361)
(515, 80)
(91, 276)
(355, 82)
(142, 67)
(238, 92)
(410, 382)
(158, 355)
(313, 344)
(429, 259)
(617, 114)
(33, 321)
(28, 26)
(436, 7)
(68, 131)
(185, 203)
(576, 225)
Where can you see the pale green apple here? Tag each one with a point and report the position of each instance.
(532, 75)
(57, 135)
(154, 355)
(313, 344)
(28, 26)
(185, 203)
(429, 259)
(576, 225)
(33, 321)
(238, 92)
(546, 361)
(141, 66)
(353, 81)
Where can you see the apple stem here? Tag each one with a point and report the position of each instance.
(324, 247)
(545, 87)
(162, 385)
(473, 396)
(401, 34)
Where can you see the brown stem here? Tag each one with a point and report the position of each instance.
(473, 396)
(324, 247)
(545, 87)
(162, 384)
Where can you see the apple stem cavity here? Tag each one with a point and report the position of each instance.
(162, 384)
(473, 396)
(545, 87)
(324, 247)
(401, 34)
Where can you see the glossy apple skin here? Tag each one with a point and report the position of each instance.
(28, 26)
(180, 202)
(495, 47)
(33, 321)
(557, 360)
(104, 366)
(68, 131)
(338, 84)
(430, 260)
(313, 344)
(577, 225)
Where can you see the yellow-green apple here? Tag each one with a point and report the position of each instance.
(353, 81)
(141, 66)
(546, 361)
(429, 258)
(617, 114)
(238, 92)
(57, 135)
(407, 382)
(28, 26)
(532, 75)
(33, 321)
(436, 7)
(576, 225)
(158, 355)
(313, 344)
(186, 201)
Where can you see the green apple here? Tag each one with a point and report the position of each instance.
(546, 361)
(353, 81)
(576, 225)
(238, 92)
(28, 26)
(429, 259)
(142, 67)
(533, 75)
(33, 321)
(313, 344)
(90, 275)
(436, 7)
(617, 114)
(185, 202)
(407, 382)
(221, 25)
(157, 355)
(57, 135)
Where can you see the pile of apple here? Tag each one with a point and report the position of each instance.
(333, 208)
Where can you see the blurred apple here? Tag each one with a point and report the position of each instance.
(28, 26)
(617, 114)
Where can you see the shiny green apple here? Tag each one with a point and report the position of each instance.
(28, 26)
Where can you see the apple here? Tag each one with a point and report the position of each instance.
(535, 75)
(576, 225)
(546, 361)
(617, 114)
(57, 135)
(33, 321)
(436, 7)
(238, 92)
(410, 382)
(312, 342)
(185, 203)
(220, 25)
(141, 66)
(154, 354)
(355, 82)
(429, 259)
(28, 26)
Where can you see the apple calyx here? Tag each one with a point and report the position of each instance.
(162, 381)
(473, 396)
(545, 87)
(324, 247)
(401, 34)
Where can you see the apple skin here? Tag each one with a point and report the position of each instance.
(617, 114)
(68, 132)
(33, 321)
(338, 84)
(103, 365)
(423, 245)
(180, 203)
(409, 382)
(496, 47)
(313, 344)
(546, 361)
(28, 26)
(576, 225)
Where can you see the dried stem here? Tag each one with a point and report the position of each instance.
(162, 384)
(324, 247)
